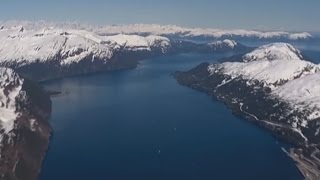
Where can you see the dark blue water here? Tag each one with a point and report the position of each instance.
(141, 125)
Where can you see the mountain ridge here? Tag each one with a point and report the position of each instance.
(49, 53)
(166, 30)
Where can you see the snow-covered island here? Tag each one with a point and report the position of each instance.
(274, 87)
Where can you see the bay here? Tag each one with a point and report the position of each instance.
(140, 124)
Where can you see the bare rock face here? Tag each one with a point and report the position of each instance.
(24, 129)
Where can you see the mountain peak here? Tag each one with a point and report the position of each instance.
(274, 51)
(225, 43)
(272, 65)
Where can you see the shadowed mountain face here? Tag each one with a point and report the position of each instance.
(24, 128)
(273, 87)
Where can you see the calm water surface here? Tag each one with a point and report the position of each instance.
(141, 125)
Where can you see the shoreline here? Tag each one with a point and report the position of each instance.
(305, 165)
(305, 155)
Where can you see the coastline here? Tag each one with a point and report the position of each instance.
(305, 155)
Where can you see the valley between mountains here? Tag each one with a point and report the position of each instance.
(274, 86)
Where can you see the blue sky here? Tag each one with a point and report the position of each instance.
(294, 15)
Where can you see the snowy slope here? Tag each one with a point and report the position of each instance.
(271, 73)
(10, 89)
(20, 46)
(302, 93)
(166, 30)
(272, 65)
(283, 51)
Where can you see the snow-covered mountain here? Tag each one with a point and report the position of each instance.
(224, 43)
(20, 46)
(172, 30)
(280, 68)
(270, 73)
(50, 52)
(164, 30)
(274, 87)
(283, 51)
(24, 129)
(271, 65)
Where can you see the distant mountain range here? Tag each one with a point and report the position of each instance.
(29, 53)
(163, 30)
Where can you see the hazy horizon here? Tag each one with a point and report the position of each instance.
(83, 23)
(285, 15)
